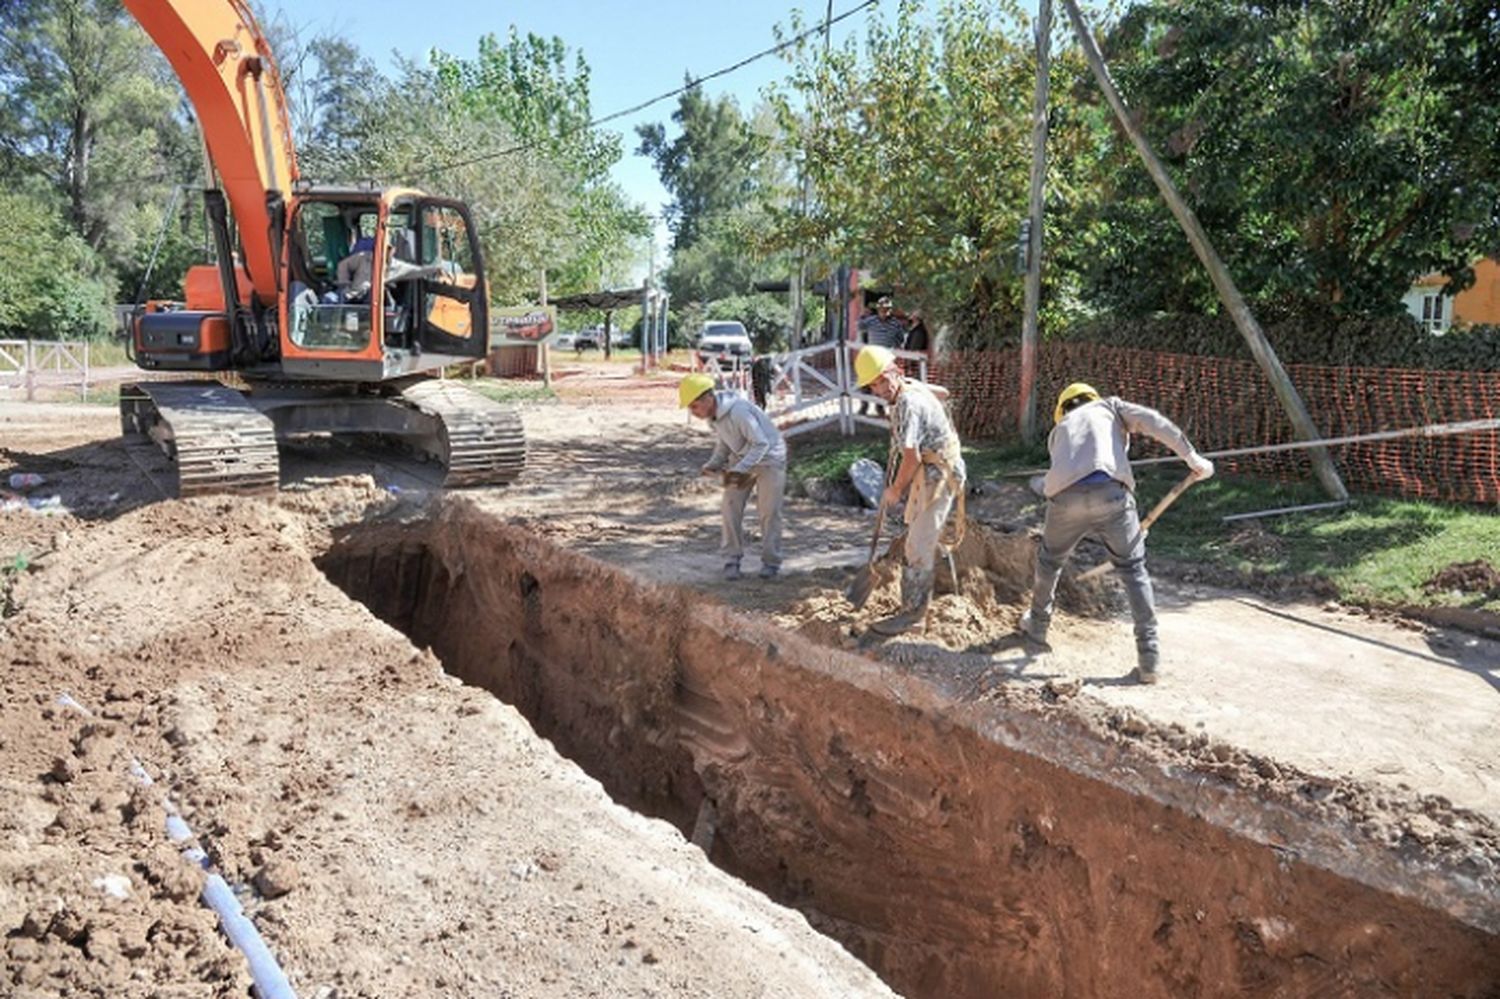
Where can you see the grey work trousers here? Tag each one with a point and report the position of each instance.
(770, 489)
(1107, 511)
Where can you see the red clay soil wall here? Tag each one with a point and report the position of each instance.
(961, 849)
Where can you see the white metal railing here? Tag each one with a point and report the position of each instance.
(815, 386)
(804, 395)
(22, 361)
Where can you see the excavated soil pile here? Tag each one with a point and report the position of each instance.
(995, 570)
(392, 832)
(1023, 841)
(1477, 576)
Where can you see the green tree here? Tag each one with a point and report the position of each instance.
(918, 144)
(1332, 150)
(708, 168)
(725, 173)
(51, 283)
(530, 100)
(90, 116)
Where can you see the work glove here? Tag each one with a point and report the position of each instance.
(738, 480)
(1200, 466)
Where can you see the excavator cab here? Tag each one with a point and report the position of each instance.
(398, 280)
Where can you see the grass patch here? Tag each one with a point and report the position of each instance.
(820, 456)
(510, 390)
(104, 395)
(108, 353)
(1378, 549)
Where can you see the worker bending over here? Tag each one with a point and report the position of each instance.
(929, 478)
(1090, 490)
(750, 454)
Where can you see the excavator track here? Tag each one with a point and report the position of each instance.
(482, 443)
(221, 443)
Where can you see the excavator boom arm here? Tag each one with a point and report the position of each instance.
(226, 67)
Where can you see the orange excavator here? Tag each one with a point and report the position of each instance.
(328, 309)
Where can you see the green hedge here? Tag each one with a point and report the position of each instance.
(1396, 342)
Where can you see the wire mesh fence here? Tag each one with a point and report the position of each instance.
(1225, 403)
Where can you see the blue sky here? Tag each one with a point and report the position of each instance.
(635, 50)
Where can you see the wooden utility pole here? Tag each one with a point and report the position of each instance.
(1260, 348)
(1029, 333)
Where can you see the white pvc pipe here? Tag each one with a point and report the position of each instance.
(270, 982)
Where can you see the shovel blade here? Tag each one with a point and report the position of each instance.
(863, 585)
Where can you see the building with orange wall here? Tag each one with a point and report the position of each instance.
(1477, 306)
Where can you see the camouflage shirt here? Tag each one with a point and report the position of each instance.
(918, 420)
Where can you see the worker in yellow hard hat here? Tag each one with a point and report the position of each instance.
(929, 479)
(1090, 491)
(749, 455)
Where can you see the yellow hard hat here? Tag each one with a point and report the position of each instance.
(871, 363)
(691, 387)
(1070, 393)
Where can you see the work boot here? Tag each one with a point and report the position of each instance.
(1147, 663)
(770, 571)
(1032, 632)
(732, 570)
(916, 595)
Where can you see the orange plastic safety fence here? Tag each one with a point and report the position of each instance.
(1223, 403)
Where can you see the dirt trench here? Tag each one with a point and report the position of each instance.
(991, 846)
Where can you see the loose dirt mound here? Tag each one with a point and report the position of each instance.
(995, 572)
(1477, 576)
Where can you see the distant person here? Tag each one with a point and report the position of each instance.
(929, 479)
(1091, 491)
(917, 338)
(749, 454)
(881, 329)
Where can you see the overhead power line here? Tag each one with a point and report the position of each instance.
(691, 84)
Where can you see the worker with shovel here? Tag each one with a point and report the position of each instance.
(1090, 490)
(929, 478)
(749, 454)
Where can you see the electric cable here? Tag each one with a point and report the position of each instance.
(691, 84)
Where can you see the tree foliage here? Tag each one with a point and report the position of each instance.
(918, 144)
(721, 170)
(529, 92)
(51, 282)
(89, 118)
(1332, 150)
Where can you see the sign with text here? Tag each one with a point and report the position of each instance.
(522, 325)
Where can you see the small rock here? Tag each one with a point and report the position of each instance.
(1421, 828)
(277, 878)
(64, 769)
(1063, 689)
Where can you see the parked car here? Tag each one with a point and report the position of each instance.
(724, 340)
(563, 341)
(589, 339)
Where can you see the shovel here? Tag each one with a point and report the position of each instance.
(864, 580)
(863, 585)
(1150, 518)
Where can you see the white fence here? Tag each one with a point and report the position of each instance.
(815, 387)
(46, 363)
